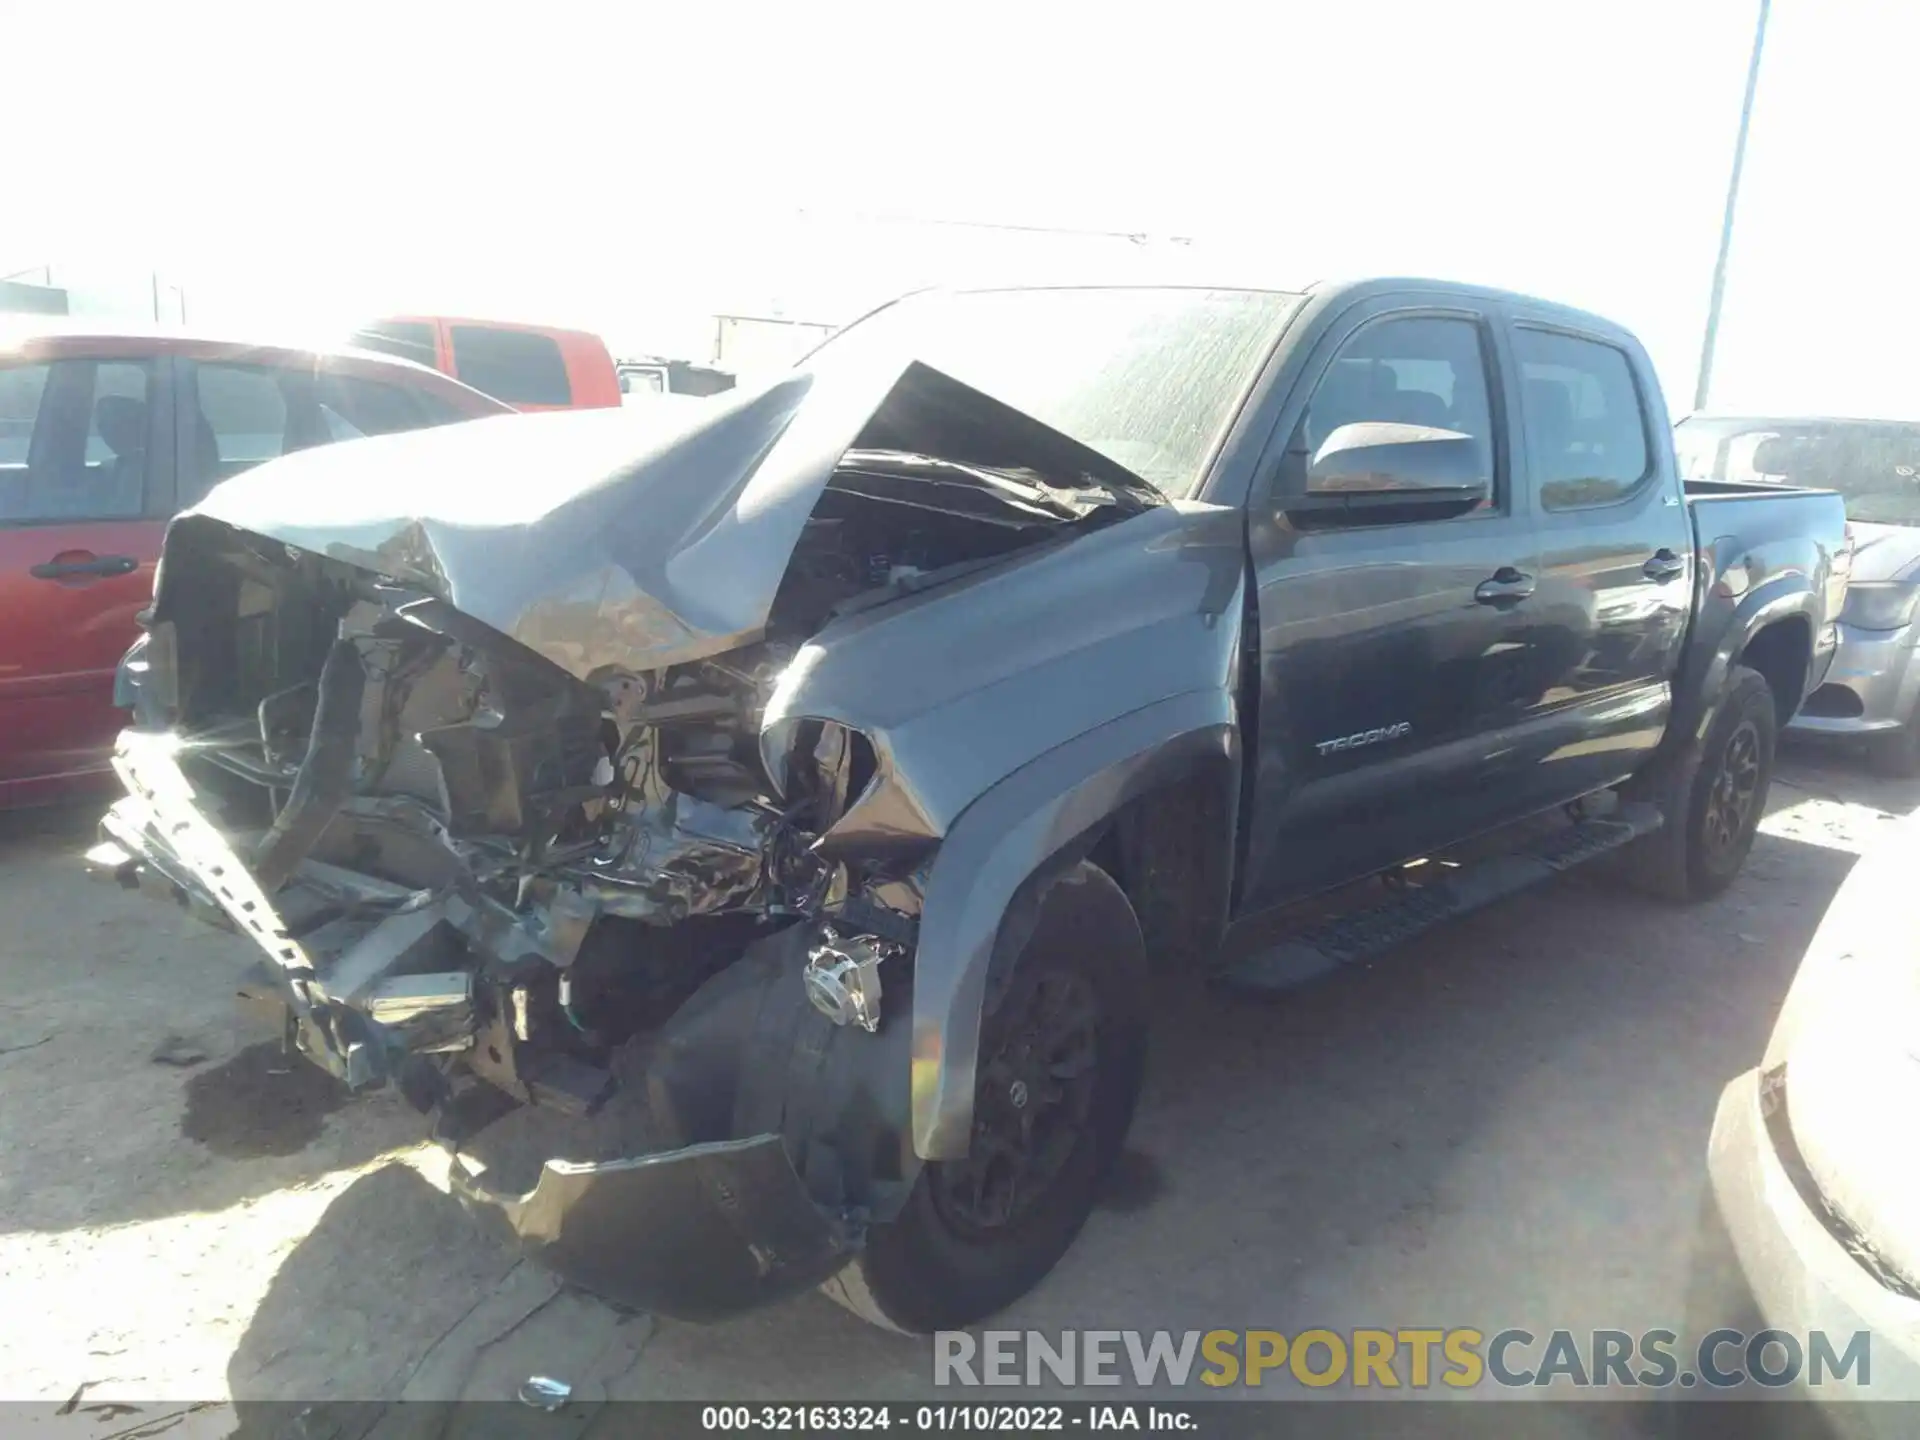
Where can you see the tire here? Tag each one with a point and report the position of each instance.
(1076, 989)
(1712, 798)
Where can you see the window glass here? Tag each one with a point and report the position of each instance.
(338, 426)
(127, 381)
(1695, 448)
(366, 407)
(520, 367)
(251, 413)
(1151, 378)
(247, 412)
(351, 407)
(73, 440)
(21, 387)
(242, 420)
(1422, 370)
(410, 340)
(1586, 433)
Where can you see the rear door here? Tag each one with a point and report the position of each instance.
(85, 487)
(1617, 559)
(1393, 656)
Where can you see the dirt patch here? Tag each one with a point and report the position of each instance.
(260, 1102)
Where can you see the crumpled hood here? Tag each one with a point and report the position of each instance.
(631, 537)
(1885, 552)
(648, 536)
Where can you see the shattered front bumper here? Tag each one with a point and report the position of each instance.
(351, 1017)
(698, 1234)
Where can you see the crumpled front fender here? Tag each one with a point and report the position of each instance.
(698, 1234)
(996, 846)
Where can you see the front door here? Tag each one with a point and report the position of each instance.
(84, 454)
(1392, 656)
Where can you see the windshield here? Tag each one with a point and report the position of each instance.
(1150, 378)
(1875, 466)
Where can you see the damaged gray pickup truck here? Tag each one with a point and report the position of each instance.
(785, 801)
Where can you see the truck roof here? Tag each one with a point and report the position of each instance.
(1198, 276)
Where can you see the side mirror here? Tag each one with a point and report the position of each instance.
(1380, 471)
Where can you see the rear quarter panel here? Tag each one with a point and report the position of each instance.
(1765, 557)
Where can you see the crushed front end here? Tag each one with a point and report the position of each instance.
(469, 869)
(517, 837)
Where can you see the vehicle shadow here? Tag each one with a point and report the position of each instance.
(41, 826)
(392, 1265)
(1502, 1125)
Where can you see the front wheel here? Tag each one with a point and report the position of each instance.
(1062, 1050)
(1713, 806)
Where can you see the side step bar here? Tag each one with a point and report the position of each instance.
(1362, 934)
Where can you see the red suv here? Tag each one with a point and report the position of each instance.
(103, 436)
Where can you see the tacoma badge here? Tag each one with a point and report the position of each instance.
(1363, 737)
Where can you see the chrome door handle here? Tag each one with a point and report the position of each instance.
(1504, 585)
(1663, 566)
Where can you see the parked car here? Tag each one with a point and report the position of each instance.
(1872, 693)
(103, 435)
(795, 792)
(1810, 1161)
(530, 367)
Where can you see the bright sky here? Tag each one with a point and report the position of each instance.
(634, 167)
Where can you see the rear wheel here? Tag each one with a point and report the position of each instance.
(1713, 802)
(1062, 1049)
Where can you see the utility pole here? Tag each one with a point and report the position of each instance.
(1726, 224)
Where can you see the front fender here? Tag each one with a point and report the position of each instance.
(996, 845)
